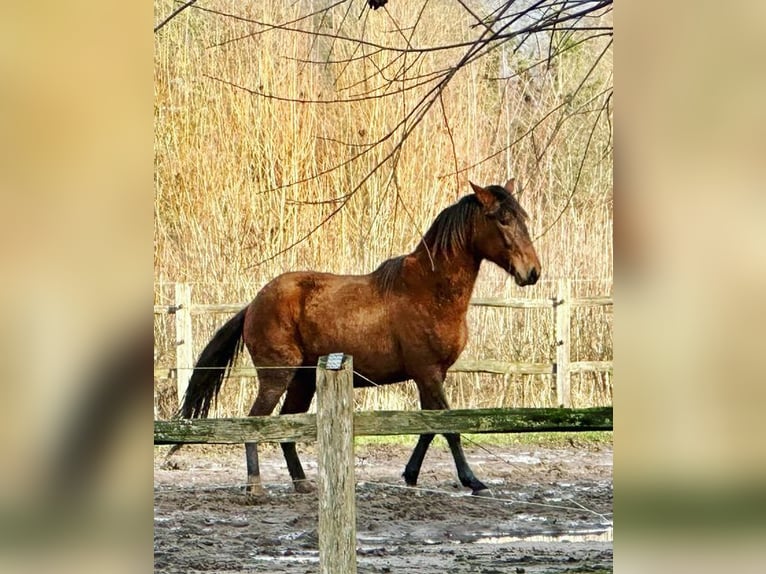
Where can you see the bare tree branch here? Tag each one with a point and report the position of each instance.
(173, 14)
(397, 68)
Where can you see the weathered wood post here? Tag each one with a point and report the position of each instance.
(563, 309)
(184, 338)
(335, 445)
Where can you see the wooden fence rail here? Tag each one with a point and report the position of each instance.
(561, 305)
(303, 428)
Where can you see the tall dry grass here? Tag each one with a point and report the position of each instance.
(225, 159)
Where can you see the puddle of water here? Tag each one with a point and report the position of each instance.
(589, 536)
(289, 537)
(368, 542)
(312, 558)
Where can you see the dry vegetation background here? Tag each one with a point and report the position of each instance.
(225, 159)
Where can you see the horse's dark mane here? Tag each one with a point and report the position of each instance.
(508, 201)
(387, 273)
(450, 232)
(452, 229)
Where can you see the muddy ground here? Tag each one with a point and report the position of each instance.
(551, 512)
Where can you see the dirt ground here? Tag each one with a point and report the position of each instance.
(552, 512)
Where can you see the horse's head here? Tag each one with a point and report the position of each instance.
(502, 235)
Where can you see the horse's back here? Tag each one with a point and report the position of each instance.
(320, 313)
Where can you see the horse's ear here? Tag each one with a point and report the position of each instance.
(509, 185)
(485, 196)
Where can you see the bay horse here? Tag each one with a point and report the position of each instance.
(405, 320)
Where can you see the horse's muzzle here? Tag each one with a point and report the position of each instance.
(530, 279)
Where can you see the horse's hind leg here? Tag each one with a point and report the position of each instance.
(271, 386)
(298, 400)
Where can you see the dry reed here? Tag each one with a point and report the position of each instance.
(225, 159)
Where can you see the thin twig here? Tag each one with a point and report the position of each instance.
(173, 14)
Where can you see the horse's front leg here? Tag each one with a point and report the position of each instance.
(412, 470)
(432, 398)
(464, 472)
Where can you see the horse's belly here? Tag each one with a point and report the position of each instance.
(363, 334)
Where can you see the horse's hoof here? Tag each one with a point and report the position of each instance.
(168, 464)
(485, 492)
(255, 491)
(304, 486)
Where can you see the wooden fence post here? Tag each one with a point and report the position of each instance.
(184, 338)
(335, 446)
(563, 310)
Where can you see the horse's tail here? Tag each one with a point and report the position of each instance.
(211, 368)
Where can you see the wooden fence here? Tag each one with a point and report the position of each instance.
(561, 305)
(334, 427)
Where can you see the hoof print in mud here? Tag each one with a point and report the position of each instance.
(304, 486)
(256, 496)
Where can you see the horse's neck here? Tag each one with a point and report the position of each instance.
(448, 279)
